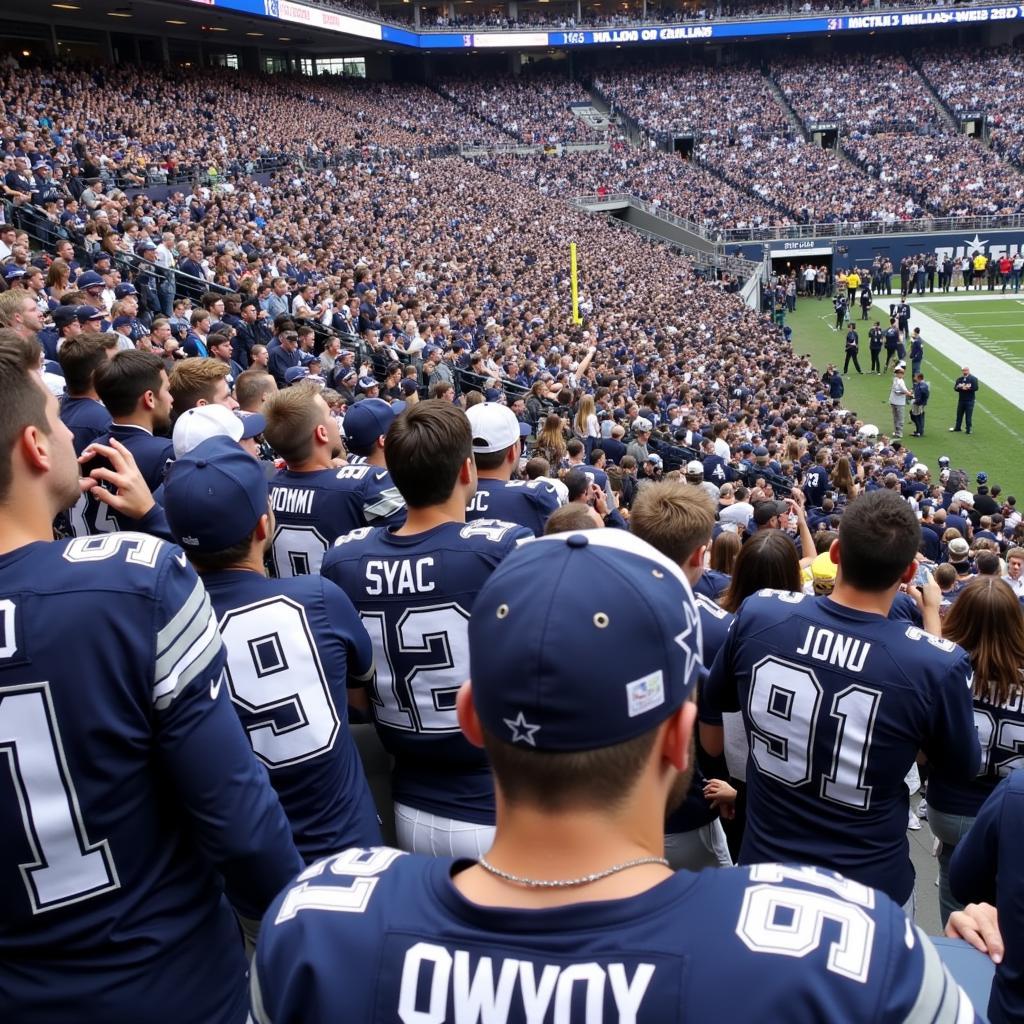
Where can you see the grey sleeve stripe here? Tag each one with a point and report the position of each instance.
(196, 661)
(189, 633)
(939, 1000)
(386, 503)
(182, 617)
(257, 1011)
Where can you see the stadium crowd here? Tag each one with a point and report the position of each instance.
(362, 373)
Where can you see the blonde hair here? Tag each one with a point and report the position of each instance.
(195, 380)
(292, 415)
(675, 518)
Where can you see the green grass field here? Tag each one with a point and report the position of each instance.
(996, 326)
(996, 444)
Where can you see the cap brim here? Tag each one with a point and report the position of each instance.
(252, 424)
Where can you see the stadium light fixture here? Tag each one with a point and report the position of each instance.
(176, 21)
(66, 7)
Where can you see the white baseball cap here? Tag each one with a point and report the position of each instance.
(694, 468)
(194, 426)
(495, 427)
(642, 425)
(964, 497)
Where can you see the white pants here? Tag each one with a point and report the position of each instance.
(704, 847)
(422, 832)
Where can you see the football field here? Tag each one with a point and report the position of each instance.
(987, 334)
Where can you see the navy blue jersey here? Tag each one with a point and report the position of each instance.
(594, 475)
(151, 454)
(128, 792)
(815, 485)
(836, 705)
(712, 584)
(87, 419)
(312, 510)
(986, 868)
(904, 609)
(294, 647)
(695, 810)
(766, 943)
(414, 595)
(1001, 735)
(527, 503)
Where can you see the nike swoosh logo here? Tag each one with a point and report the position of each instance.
(380, 476)
(215, 687)
(182, 559)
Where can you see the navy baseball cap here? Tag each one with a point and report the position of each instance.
(63, 315)
(580, 641)
(367, 382)
(124, 289)
(121, 321)
(214, 495)
(12, 270)
(294, 373)
(365, 422)
(89, 313)
(90, 279)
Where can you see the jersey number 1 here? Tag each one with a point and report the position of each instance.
(65, 867)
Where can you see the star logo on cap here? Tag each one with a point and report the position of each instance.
(522, 731)
(685, 638)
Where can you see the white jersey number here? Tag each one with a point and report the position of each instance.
(273, 665)
(438, 638)
(65, 867)
(783, 707)
(297, 551)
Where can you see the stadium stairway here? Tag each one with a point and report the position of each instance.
(598, 120)
(780, 98)
(944, 109)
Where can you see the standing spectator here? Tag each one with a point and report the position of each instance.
(152, 811)
(852, 348)
(821, 789)
(966, 388)
(916, 352)
(986, 621)
(922, 392)
(875, 338)
(840, 305)
(898, 401)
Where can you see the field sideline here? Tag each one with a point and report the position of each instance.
(995, 326)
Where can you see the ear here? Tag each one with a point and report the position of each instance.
(262, 529)
(909, 572)
(34, 449)
(676, 743)
(833, 551)
(696, 560)
(320, 434)
(466, 471)
(469, 723)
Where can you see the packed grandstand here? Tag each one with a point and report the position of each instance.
(356, 268)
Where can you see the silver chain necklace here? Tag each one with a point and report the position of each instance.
(568, 883)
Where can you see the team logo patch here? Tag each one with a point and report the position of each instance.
(522, 730)
(645, 694)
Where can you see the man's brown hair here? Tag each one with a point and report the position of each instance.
(292, 416)
(425, 449)
(675, 518)
(81, 357)
(195, 380)
(22, 398)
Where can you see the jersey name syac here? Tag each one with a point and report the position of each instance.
(312, 510)
(294, 646)
(414, 595)
(837, 703)
(1001, 735)
(744, 945)
(127, 791)
(528, 503)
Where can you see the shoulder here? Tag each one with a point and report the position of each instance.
(353, 544)
(132, 562)
(495, 535)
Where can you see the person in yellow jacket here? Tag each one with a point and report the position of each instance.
(852, 284)
(979, 263)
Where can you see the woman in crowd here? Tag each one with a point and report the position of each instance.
(987, 621)
(584, 424)
(768, 559)
(724, 551)
(843, 481)
(551, 442)
(57, 279)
